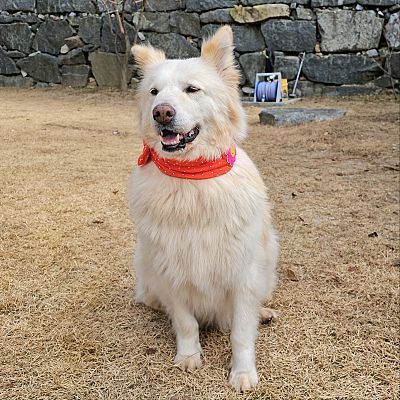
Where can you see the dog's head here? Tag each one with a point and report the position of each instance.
(191, 108)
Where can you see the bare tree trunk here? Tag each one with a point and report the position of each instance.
(123, 59)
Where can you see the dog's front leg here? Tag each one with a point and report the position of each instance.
(243, 375)
(188, 354)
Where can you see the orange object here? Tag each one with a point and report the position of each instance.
(189, 169)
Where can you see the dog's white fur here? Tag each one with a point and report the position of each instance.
(206, 250)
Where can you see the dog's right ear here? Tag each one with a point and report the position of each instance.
(146, 55)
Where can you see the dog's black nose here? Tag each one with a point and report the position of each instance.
(163, 113)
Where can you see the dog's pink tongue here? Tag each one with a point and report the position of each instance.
(167, 139)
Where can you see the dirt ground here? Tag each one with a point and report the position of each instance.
(68, 326)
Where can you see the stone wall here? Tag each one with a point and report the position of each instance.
(349, 44)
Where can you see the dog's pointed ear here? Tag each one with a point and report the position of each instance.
(146, 55)
(218, 50)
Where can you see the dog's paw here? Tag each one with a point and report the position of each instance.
(188, 362)
(268, 315)
(242, 381)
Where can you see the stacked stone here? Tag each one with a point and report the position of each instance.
(349, 44)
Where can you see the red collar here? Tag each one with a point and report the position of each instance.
(185, 169)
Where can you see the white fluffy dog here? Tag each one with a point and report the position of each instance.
(206, 250)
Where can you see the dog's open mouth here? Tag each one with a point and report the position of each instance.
(172, 141)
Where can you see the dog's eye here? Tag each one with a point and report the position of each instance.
(191, 89)
(154, 91)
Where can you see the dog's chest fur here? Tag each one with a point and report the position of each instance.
(199, 232)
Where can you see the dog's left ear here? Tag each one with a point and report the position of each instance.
(218, 50)
(146, 55)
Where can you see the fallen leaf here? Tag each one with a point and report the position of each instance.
(150, 350)
(291, 275)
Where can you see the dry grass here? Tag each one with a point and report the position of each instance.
(68, 327)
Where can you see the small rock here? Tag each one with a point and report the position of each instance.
(73, 42)
(359, 7)
(372, 53)
(41, 85)
(64, 49)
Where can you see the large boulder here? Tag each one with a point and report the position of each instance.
(246, 38)
(17, 5)
(340, 69)
(392, 31)
(89, 30)
(7, 64)
(287, 35)
(108, 43)
(50, 36)
(296, 116)
(164, 5)
(206, 5)
(393, 65)
(41, 67)
(256, 2)
(75, 75)
(331, 3)
(73, 57)
(16, 36)
(15, 81)
(245, 15)
(185, 23)
(219, 16)
(348, 90)
(287, 65)
(378, 3)
(156, 22)
(173, 44)
(106, 69)
(64, 6)
(344, 30)
(251, 64)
